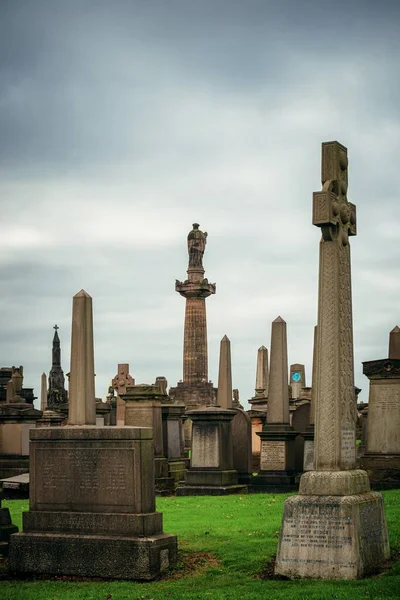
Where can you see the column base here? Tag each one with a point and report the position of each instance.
(334, 483)
(332, 537)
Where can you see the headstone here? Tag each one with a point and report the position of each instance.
(92, 500)
(277, 468)
(381, 458)
(336, 527)
(82, 410)
(211, 471)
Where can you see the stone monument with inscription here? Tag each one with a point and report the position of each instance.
(195, 389)
(381, 458)
(212, 469)
(277, 470)
(336, 527)
(143, 409)
(92, 500)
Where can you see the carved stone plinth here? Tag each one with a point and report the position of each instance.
(211, 471)
(92, 506)
(277, 459)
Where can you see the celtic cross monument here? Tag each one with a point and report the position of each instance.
(335, 527)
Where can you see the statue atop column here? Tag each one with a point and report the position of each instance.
(196, 242)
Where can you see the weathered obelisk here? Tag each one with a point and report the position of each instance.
(224, 397)
(277, 436)
(82, 406)
(335, 527)
(43, 392)
(195, 389)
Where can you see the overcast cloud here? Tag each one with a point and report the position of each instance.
(123, 122)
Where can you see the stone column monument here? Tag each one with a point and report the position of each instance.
(277, 437)
(258, 411)
(381, 458)
(336, 527)
(195, 389)
(92, 500)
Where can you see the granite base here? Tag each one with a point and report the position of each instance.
(332, 537)
(114, 557)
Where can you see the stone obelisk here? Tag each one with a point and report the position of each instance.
(195, 390)
(335, 527)
(394, 343)
(43, 393)
(277, 436)
(82, 407)
(224, 397)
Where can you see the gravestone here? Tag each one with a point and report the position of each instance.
(277, 459)
(381, 458)
(92, 501)
(143, 409)
(211, 471)
(336, 527)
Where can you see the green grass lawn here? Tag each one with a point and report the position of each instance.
(225, 544)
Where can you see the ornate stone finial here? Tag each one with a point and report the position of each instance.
(196, 242)
(331, 210)
(56, 327)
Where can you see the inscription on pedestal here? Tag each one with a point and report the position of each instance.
(205, 450)
(348, 446)
(84, 476)
(388, 399)
(273, 457)
(308, 455)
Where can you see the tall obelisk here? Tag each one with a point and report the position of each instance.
(82, 408)
(335, 527)
(195, 389)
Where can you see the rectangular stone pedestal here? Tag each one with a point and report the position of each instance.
(332, 537)
(383, 470)
(92, 506)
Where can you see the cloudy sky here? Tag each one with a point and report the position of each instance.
(122, 122)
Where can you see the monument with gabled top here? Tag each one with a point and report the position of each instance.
(336, 527)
